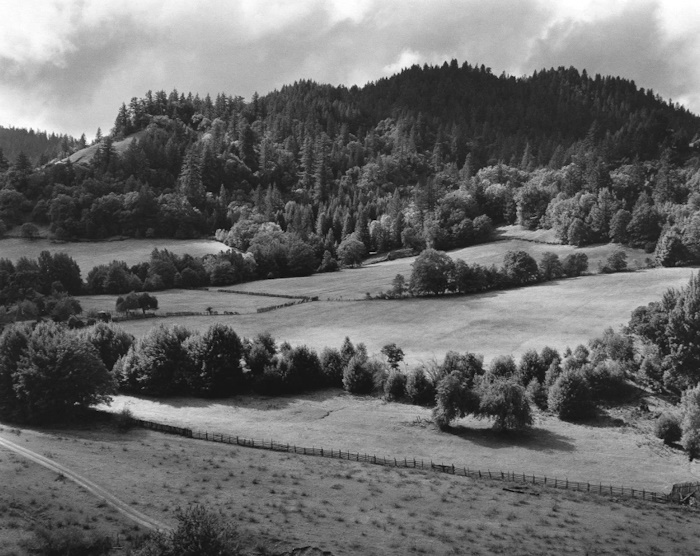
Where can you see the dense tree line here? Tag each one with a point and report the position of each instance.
(436, 273)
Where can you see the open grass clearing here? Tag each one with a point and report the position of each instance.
(557, 314)
(286, 500)
(355, 283)
(89, 254)
(33, 496)
(618, 449)
(175, 301)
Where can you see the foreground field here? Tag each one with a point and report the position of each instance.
(90, 254)
(558, 314)
(285, 500)
(619, 449)
(36, 497)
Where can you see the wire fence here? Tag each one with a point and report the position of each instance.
(412, 463)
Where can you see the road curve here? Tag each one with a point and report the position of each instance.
(121, 506)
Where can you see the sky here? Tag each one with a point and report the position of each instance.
(66, 66)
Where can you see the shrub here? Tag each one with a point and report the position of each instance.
(67, 540)
(332, 367)
(357, 376)
(419, 389)
(503, 366)
(668, 428)
(575, 264)
(395, 385)
(453, 399)
(606, 380)
(124, 420)
(570, 397)
(301, 369)
(111, 342)
(690, 422)
(199, 532)
(536, 392)
(504, 401)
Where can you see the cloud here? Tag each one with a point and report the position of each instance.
(68, 65)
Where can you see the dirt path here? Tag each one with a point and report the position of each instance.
(127, 510)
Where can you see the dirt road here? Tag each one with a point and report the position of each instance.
(121, 506)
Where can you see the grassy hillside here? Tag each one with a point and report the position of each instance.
(286, 501)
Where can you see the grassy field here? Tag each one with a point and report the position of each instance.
(558, 314)
(285, 500)
(33, 496)
(618, 449)
(89, 254)
(174, 301)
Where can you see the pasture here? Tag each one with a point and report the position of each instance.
(283, 501)
(89, 254)
(618, 449)
(34, 496)
(174, 301)
(557, 314)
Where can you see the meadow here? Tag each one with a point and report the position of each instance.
(558, 314)
(177, 300)
(281, 501)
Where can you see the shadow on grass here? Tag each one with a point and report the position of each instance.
(250, 400)
(541, 440)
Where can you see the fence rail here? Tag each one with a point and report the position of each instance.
(411, 463)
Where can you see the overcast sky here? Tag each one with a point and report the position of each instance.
(66, 66)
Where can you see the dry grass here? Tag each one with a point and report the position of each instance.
(286, 500)
(557, 314)
(173, 301)
(90, 254)
(618, 450)
(33, 496)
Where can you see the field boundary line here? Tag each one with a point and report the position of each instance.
(122, 507)
(411, 463)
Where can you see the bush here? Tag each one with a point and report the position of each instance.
(668, 428)
(453, 400)
(67, 540)
(198, 532)
(358, 378)
(124, 420)
(505, 402)
(419, 388)
(332, 367)
(395, 385)
(536, 392)
(570, 397)
(606, 380)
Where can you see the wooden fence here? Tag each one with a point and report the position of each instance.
(412, 463)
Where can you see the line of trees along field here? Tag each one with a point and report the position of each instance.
(427, 158)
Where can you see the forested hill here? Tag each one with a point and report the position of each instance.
(433, 156)
(494, 118)
(38, 146)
